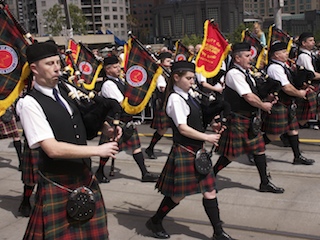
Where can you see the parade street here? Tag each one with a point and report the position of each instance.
(247, 213)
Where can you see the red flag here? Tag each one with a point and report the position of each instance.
(182, 52)
(257, 50)
(214, 50)
(14, 68)
(89, 66)
(141, 76)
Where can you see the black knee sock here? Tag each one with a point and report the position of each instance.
(102, 163)
(155, 138)
(17, 145)
(165, 207)
(138, 157)
(294, 143)
(212, 210)
(220, 164)
(27, 192)
(266, 139)
(261, 163)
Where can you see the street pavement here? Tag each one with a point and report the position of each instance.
(247, 213)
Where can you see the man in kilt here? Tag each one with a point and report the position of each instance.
(283, 118)
(307, 107)
(160, 121)
(242, 135)
(53, 124)
(179, 177)
(114, 87)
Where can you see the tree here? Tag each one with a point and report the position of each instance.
(193, 39)
(55, 19)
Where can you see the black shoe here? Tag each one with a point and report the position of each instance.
(150, 153)
(150, 177)
(250, 157)
(157, 230)
(101, 178)
(270, 187)
(302, 160)
(222, 236)
(285, 141)
(25, 209)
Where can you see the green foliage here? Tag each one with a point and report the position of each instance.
(193, 39)
(55, 19)
(236, 35)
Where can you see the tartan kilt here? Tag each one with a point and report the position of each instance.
(179, 177)
(235, 141)
(277, 122)
(307, 108)
(160, 120)
(131, 144)
(30, 159)
(10, 129)
(49, 218)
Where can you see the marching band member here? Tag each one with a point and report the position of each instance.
(53, 124)
(179, 177)
(282, 118)
(241, 135)
(160, 121)
(114, 87)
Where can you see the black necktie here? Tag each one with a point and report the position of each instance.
(58, 99)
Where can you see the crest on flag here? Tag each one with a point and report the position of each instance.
(214, 50)
(276, 34)
(89, 66)
(142, 73)
(182, 52)
(257, 50)
(14, 68)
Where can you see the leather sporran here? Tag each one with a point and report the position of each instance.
(81, 204)
(202, 162)
(7, 116)
(255, 126)
(292, 111)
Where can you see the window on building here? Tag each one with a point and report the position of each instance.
(114, 9)
(120, 9)
(116, 25)
(121, 17)
(43, 3)
(107, 25)
(106, 9)
(106, 17)
(114, 1)
(166, 26)
(178, 24)
(105, 1)
(115, 17)
(213, 13)
(190, 24)
(122, 25)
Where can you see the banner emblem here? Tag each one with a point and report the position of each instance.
(180, 57)
(253, 51)
(85, 67)
(8, 59)
(136, 76)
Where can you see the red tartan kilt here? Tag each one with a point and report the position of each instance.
(132, 144)
(307, 108)
(49, 218)
(235, 140)
(30, 159)
(179, 177)
(160, 120)
(9, 130)
(277, 121)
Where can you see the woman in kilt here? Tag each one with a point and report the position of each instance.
(179, 177)
(282, 118)
(160, 121)
(241, 135)
(53, 124)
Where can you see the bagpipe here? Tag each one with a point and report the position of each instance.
(302, 76)
(94, 109)
(265, 84)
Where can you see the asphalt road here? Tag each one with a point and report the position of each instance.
(247, 213)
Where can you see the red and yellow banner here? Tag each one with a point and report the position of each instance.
(214, 50)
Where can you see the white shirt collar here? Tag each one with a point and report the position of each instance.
(181, 92)
(45, 90)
